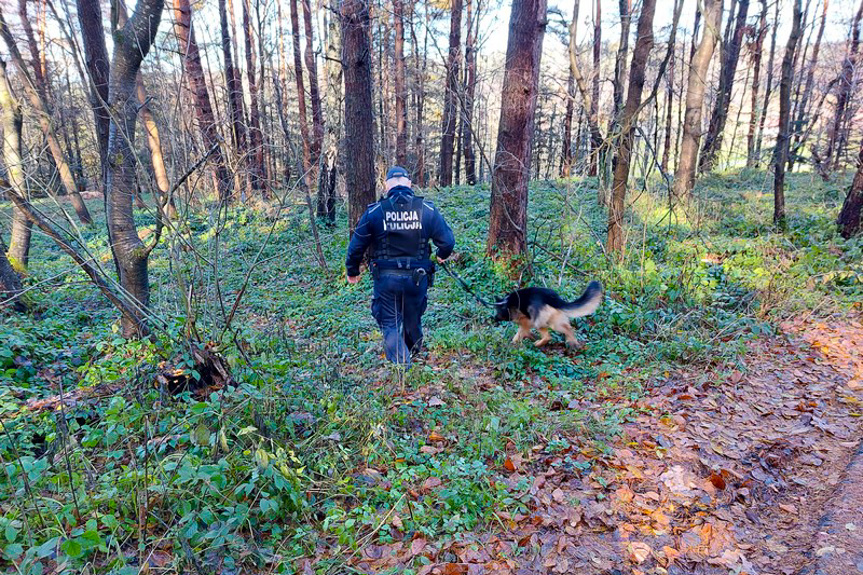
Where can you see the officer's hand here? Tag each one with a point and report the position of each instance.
(353, 279)
(440, 259)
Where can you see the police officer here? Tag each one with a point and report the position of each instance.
(398, 230)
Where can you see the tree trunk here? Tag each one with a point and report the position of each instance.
(19, 238)
(780, 154)
(566, 161)
(731, 54)
(307, 142)
(333, 72)
(131, 45)
(401, 94)
(8, 104)
(470, 91)
(35, 92)
(620, 62)
(194, 71)
(359, 124)
(317, 111)
(593, 117)
(508, 218)
(836, 136)
(587, 98)
(257, 165)
(850, 219)
(311, 144)
(755, 50)
(803, 116)
(420, 66)
(19, 242)
(235, 102)
(684, 176)
(768, 90)
(166, 206)
(640, 55)
(10, 284)
(450, 106)
(566, 156)
(669, 105)
(96, 55)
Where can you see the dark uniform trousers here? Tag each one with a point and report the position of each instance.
(398, 230)
(398, 303)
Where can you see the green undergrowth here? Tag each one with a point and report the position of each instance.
(319, 448)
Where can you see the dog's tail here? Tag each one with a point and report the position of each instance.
(587, 303)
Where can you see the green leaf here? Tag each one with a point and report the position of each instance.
(201, 436)
(11, 532)
(46, 548)
(72, 548)
(12, 552)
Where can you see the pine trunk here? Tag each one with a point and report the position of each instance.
(359, 123)
(450, 107)
(508, 219)
(401, 94)
(420, 64)
(194, 71)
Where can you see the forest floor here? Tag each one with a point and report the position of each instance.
(734, 474)
(707, 426)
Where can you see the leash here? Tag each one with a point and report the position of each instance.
(464, 285)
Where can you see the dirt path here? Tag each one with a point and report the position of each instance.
(739, 474)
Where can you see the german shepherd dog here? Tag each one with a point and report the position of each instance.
(544, 309)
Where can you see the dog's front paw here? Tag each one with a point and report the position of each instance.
(575, 345)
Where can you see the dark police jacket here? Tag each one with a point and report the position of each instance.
(398, 230)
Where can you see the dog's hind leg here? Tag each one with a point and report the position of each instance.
(546, 337)
(567, 331)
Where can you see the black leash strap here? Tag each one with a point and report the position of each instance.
(464, 285)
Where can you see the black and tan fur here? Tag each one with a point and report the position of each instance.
(543, 309)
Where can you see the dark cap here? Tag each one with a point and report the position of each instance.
(397, 172)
